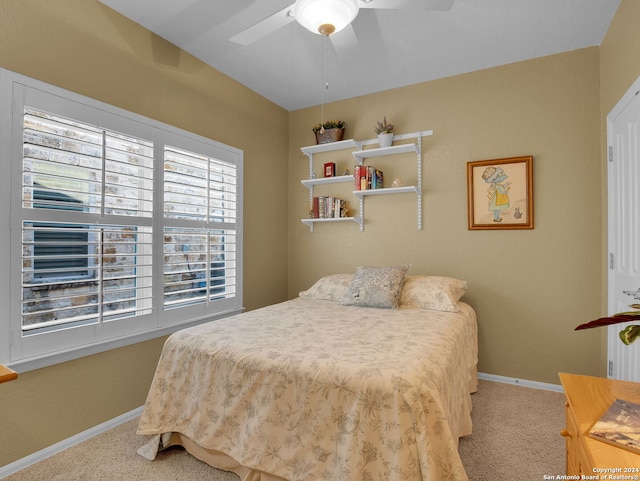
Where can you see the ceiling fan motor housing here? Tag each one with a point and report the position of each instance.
(325, 16)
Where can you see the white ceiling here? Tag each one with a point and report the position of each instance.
(395, 47)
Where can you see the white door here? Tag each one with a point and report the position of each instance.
(623, 134)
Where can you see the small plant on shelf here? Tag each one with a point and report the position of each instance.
(384, 130)
(384, 127)
(329, 124)
(329, 131)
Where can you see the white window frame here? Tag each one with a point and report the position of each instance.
(35, 351)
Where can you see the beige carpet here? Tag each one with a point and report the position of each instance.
(516, 436)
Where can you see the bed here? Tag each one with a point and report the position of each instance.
(329, 385)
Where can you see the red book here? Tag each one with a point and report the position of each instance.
(356, 176)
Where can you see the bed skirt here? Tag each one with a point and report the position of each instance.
(212, 457)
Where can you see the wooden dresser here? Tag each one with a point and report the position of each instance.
(587, 400)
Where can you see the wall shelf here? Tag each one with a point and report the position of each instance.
(331, 146)
(311, 222)
(361, 154)
(327, 180)
(407, 189)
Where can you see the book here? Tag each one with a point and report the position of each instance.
(619, 426)
(377, 179)
(358, 173)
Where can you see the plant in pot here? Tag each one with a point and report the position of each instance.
(385, 132)
(329, 131)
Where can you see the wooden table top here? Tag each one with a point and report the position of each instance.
(589, 398)
(7, 374)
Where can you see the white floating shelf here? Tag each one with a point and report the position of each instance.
(310, 222)
(327, 180)
(331, 146)
(382, 151)
(386, 190)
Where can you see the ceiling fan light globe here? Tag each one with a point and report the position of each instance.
(317, 15)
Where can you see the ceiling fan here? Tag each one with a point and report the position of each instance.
(326, 17)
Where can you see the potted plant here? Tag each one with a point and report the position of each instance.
(385, 132)
(329, 131)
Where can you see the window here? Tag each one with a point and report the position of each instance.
(198, 264)
(124, 226)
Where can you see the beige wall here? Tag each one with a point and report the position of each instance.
(85, 47)
(619, 55)
(46, 406)
(530, 288)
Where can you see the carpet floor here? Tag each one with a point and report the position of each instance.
(516, 435)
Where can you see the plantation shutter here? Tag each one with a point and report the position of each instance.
(87, 201)
(200, 231)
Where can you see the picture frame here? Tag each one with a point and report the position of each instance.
(500, 193)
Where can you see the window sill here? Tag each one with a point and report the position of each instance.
(52, 359)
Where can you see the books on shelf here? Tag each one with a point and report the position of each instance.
(327, 207)
(619, 426)
(367, 177)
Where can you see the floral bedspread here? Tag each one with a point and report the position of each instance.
(310, 389)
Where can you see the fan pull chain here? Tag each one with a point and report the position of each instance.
(325, 81)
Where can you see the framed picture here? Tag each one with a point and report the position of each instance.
(500, 193)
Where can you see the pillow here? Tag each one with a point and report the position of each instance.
(330, 288)
(376, 287)
(432, 292)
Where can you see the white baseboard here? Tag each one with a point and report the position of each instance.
(67, 443)
(521, 382)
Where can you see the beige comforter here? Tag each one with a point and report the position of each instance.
(310, 390)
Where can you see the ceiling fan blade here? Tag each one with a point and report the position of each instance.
(442, 5)
(264, 27)
(346, 45)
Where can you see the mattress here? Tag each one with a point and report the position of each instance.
(312, 389)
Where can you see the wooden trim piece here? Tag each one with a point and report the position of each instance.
(7, 374)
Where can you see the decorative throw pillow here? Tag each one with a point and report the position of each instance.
(333, 287)
(376, 287)
(432, 292)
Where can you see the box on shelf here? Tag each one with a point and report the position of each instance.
(330, 169)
